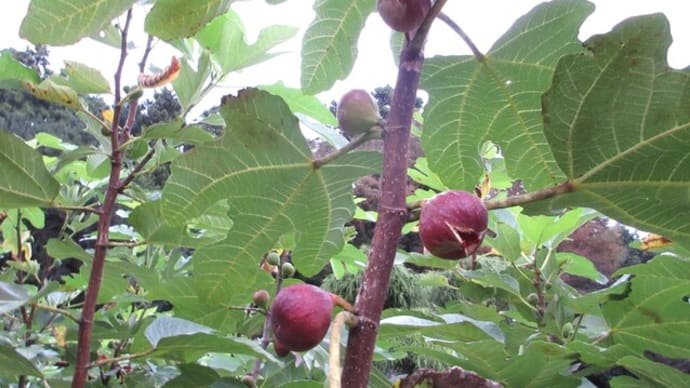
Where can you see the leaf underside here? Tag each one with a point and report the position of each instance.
(263, 168)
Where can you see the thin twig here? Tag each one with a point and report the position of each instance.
(137, 169)
(147, 51)
(57, 310)
(126, 244)
(85, 209)
(354, 143)
(526, 198)
(126, 357)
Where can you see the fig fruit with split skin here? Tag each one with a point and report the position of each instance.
(453, 223)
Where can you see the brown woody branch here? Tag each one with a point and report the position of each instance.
(392, 210)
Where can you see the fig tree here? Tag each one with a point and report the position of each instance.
(452, 224)
(403, 15)
(300, 316)
(357, 112)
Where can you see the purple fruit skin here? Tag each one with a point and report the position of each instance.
(465, 212)
(403, 15)
(300, 316)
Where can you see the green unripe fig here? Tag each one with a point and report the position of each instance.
(357, 112)
(287, 270)
(533, 299)
(403, 15)
(273, 258)
(261, 299)
(567, 330)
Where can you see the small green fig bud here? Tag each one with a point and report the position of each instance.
(567, 330)
(273, 258)
(287, 270)
(357, 112)
(533, 299)
(261, 299)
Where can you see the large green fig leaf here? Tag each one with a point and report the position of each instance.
(61, 23)
(24, 179)
(13, 72)
(263, 167)
(499, 99)
(329, 48)
(172, 19)
(618, 122)
(655, 315)
(225, 38)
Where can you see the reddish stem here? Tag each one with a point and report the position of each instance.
(392, 211)
(107, 208)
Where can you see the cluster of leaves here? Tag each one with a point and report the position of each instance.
(606, 123)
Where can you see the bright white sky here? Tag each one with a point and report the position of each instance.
(483, 20)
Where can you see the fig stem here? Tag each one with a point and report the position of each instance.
(342, 303)
(334, 370)
(373, 133)
(455, 27)
(522, 199)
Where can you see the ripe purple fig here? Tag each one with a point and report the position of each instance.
(300, 316)
(403, 15)
(357, 112)
(452, 224)
(280, 349)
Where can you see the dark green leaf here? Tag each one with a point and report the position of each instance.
(12, 72)
(619, 127)
(300, 103)
(13, 364)
(225, 39)
(177, 131)
(24, 180)
(499, 99)
(655, 314)
(63, 249)
(192, 80)
(190, 347)
(329, 47)
(61, 23)
(172, 19)
(263, 167)
(84, 79)
(12, 296)
(164, 327)
(194, 375)
(150, 223)
(575, 264)
(655, 373)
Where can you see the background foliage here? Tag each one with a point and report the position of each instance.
(604, 121)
